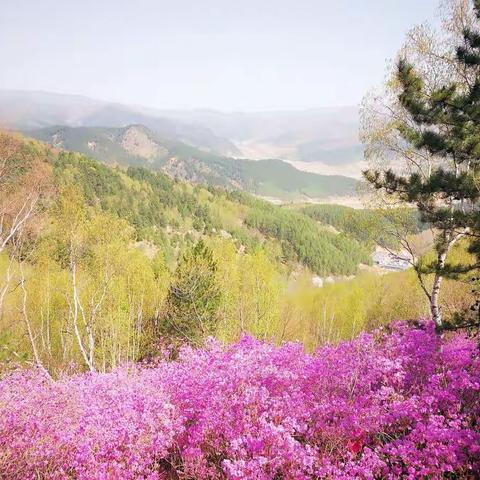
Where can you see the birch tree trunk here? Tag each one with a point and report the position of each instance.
(434, 302)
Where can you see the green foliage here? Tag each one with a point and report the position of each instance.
(443, 121)
(151, 201)
(438, 117)
(321, 251)
(369, 226)
(194, 297)
(124, 260)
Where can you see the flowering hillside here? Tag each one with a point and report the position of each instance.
(402, 404)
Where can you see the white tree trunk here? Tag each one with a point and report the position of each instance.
(31, 337)
(434, 302)
(87, 357)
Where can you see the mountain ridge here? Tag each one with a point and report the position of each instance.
(137, 145)
(319, 140)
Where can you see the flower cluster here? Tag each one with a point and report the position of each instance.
(387, 405)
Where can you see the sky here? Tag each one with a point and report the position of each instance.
(230, 55)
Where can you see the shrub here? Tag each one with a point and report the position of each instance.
(387, 405)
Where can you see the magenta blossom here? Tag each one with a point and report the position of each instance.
(403, 404)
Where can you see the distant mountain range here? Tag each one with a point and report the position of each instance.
(322, 140)
(137, 145)
(24, 110)
(326, 139)
(202, 146)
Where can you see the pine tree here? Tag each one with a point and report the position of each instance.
(194, 298)
(444, 122)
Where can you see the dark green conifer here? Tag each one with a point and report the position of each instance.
(444, 122)
(194, 297)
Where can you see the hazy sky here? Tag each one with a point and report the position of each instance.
(223, 54)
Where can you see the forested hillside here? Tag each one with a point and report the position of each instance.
(109, 261)
(126, 241)
(137, 145)
(154, 203)
(368, 226)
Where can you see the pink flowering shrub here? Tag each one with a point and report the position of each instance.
(88, 426)
(403, 404)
